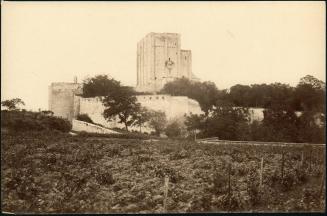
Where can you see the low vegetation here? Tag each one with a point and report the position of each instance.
(33, 121)
(55, 172)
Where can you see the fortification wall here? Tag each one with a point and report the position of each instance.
(174, 107)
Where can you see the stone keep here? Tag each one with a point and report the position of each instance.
(160, 60)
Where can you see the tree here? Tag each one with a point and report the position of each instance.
(228, 122)
(310, 95)
(141, 117)
(207, 95)
(195, 122)
(121, 102)
(239, 95)
(312, 81)
(157, 121)
(99, 85)
(308, 130)
(12, 104)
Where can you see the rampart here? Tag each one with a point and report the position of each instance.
(173, 106)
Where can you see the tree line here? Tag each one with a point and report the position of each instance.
(226, 113)
(309, 94)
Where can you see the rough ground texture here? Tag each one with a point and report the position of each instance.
(58, 173)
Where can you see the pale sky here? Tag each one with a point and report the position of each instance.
(231, 42)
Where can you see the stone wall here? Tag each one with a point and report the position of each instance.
(174, 107)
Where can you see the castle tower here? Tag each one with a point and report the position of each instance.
(64, 99)
(160, 60)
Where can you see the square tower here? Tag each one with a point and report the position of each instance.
(160, 60)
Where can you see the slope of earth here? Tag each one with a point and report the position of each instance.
(59, 173)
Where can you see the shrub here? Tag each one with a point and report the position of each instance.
(253, 187)
(85, 118)
(105, 178)
(60, 124)
(220, 183)
(173, 130)
(230, 203)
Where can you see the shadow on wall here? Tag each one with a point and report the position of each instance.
(90, 128)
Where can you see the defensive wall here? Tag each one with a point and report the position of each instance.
(64, 101)
(173, 106)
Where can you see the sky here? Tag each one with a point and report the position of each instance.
(231, 42)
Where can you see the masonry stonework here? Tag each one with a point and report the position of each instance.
(161, 60)
(62, 99)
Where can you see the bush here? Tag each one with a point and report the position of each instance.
(60, 124)
(173, 130)
(85, 118)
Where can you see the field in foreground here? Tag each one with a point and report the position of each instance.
(58, 173)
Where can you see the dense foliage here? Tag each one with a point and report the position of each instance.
(309, 94)
(58, 173)
(12, 104)
(225, 122)
(226, 115)
(99, 85)
(33, 121)
(231, 123)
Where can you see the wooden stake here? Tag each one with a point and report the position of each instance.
(323, 176)
(322, 184)
(229, 185)
(283, 165)
(310, 160)
(261, 173)
(166, 193)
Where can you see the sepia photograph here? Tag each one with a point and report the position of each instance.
(163, 107)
